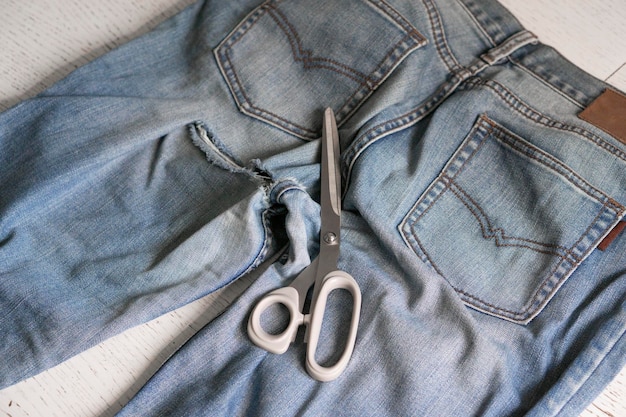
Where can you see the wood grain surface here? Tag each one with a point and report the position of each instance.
(41, 41)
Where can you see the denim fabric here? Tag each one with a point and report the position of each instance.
(474, 199)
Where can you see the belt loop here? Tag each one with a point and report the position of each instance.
(510, 45)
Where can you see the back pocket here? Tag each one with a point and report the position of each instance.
(505, 223)
(288, 60)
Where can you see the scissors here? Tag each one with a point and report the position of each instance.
(322, 274)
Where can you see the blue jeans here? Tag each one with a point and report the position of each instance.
(474, 200)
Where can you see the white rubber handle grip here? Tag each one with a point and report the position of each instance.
(276, 343)
(332, 281)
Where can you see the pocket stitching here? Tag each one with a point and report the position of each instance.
(461, 194)
(482, 130)
(366, 84)
(306, 55)
(536, 300)
(533, 306)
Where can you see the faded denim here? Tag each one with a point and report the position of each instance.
(474, 199)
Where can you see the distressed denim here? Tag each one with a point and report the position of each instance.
(474, 199)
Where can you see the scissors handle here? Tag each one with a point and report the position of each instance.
(276, 343)
(332, 281)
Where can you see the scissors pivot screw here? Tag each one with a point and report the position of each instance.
(330, 238)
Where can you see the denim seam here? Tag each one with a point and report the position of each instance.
(615, 214)
(401, 122)
(439, 34)
(479, 25)
(566, 262)
(487, 25)
(282, 186)
(426, 257)
(483, 22)
(398, 19)
(261, 253)
(483, 132)
(366, 84)
(515, 103)
(555, 279)
(381, 130)
(352, 103)
(553, 81)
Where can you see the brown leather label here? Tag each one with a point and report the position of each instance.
(619, 227)
(608, 112)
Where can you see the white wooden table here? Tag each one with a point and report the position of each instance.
(41, 41)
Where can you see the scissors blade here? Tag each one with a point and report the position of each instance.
(330, 177)
(330, 198)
